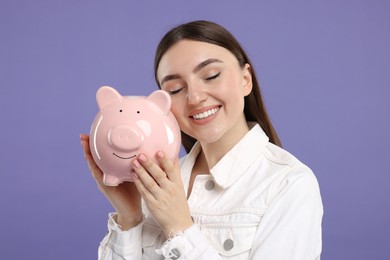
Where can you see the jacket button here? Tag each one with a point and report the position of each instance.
(209, 185)
(228, 244)
(174, 254)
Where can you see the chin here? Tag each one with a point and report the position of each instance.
(209, 138)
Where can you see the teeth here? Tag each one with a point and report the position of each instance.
(205, 114)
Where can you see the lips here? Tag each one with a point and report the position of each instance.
(125, 158)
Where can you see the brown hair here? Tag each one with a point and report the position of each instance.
(206, 31)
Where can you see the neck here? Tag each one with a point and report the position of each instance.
(213, 152)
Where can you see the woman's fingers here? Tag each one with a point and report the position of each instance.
(171, 169)
(155, 171)
(85, 139)
(144, 178)
(142, 189)
(94, 169)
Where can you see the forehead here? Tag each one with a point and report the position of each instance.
(187, 54)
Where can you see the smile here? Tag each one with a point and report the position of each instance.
(205, 114)
(124, 157)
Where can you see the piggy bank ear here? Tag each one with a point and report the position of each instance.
(161, 99)
(106, 95)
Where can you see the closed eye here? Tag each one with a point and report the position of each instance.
(173, 92)
(213, 77)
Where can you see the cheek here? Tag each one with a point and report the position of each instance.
(233, 89)
(177, 109)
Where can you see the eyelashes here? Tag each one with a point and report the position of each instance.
(213, 77)
(173, 92)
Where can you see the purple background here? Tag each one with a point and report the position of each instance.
(324, 68)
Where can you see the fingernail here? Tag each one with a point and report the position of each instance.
(142, 158)
(136, 164)
(135, 175)
(160, 154)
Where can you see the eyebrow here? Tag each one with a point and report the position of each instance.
(204, 64)
(199, 67)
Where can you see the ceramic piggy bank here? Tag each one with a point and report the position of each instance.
(126, 126)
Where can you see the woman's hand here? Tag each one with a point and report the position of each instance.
(125, 198)
(163, 192)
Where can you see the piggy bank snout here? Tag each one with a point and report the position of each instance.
(125, 138)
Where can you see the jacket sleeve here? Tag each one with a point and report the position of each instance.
(121, 245)
(291, 227)
(126, 245)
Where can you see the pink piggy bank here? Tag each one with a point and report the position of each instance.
(126, 126)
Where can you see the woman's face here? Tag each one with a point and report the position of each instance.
(207, 87)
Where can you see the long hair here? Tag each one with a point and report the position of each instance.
(210, 32)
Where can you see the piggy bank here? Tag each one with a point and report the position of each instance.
(126, 126)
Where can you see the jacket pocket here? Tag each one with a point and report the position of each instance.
(231, 239)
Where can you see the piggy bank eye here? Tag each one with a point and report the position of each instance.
(120, 110)
(138, 112)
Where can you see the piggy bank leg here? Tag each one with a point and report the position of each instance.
(111, 180)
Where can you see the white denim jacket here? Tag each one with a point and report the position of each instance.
(259, 202)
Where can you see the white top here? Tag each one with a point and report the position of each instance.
(259, 202)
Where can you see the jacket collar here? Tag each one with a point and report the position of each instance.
(235, 162)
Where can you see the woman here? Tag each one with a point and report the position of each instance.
(236, 194)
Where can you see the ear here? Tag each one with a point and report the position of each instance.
(106, 95)
(161, 99)
(247, 79)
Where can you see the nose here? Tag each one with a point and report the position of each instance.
(125, 138)
(196, 94)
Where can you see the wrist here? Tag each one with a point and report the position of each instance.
(177, 229)
(127, 222)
